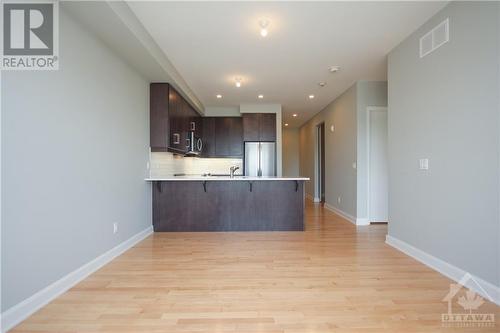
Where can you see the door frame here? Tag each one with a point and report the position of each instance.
(317, 167)
(369, 109)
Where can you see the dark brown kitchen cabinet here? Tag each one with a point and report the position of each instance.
(208, 130)
(159, 117)
(228, 136)
(259, 127)
(177, 135)
(267, 127)
(251, 126)
(222, 137)
(276, 205)
(171, 119)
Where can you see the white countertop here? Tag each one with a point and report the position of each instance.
(221, 178)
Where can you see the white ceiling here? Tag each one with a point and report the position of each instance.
(211, 43)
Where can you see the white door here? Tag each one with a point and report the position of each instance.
(378, 166)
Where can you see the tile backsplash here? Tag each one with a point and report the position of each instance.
(168, 164)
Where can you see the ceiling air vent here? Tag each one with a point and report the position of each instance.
(435, 38)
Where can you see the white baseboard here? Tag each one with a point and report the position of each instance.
(26, 308)
(474, 283)
(347, 216)
(313, 199)
(341, 213)
(362, 221)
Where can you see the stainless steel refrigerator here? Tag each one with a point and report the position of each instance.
(260, 159)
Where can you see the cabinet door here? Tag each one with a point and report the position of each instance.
(236, 136)
(208, 131)
(185, 118)
(251, 127)
(267, 127)
(195, 122)
(174, 117)
(158, 116)
(222, 136)
(228, 137)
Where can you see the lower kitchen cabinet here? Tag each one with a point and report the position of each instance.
(228, 205)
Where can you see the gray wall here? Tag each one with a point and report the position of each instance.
(445, 107)
(340, 151)
(370, 93)
(291, 152)
(74, 152)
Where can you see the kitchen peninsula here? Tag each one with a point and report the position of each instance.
(211, 203)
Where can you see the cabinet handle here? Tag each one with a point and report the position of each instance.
(205, 186)
(296, 186)
(251, 186)
(177, 138)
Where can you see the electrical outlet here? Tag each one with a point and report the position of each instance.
(354, 165)
(115, 227)
(339, 199)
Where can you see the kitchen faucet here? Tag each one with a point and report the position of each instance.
(232, 170)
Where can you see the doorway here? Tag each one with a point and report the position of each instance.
(378, 174)
(320, 130)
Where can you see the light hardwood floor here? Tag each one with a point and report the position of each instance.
(333, 277)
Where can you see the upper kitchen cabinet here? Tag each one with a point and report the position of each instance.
(259, 127)
(171, 119)
(222, 136)
(208, 129)
(267, 127)
(229, 136)
(159, 116)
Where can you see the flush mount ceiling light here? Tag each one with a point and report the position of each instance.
(294, 115)
(334, 69)
(286, 124)
(264, 23)
(260, 96)
(322, 84)
(311, 96)
(238, 82)
(219, 96)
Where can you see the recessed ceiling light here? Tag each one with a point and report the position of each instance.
(322, 84)
(238, 82)
(263, 27)
(295, 115)
(261, 96)
(219, 96)
(311, 96)
(286, 124)
(334, 69)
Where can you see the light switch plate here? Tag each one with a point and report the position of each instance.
(332, 128)
(423, 164)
